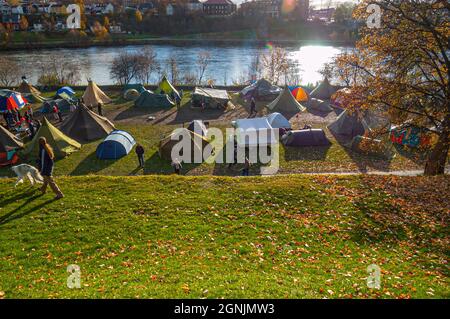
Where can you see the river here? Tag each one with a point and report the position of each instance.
(228, 63)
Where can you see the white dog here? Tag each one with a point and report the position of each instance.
(25, 170)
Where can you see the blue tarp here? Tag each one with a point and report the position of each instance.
(116, 145)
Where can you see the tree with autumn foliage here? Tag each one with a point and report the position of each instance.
(403, 67)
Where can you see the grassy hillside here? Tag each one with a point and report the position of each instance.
(279, 237)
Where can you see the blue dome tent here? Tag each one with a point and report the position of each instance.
(116, 145)
(65, 89)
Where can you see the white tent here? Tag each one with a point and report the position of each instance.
(276, 120)
(256, 131)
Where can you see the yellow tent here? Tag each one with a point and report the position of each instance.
(165, 87)
(93, 95)
(62, 144)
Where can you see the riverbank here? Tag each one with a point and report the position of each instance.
(194, 39)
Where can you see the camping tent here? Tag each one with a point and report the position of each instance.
(197, 126)
(66, 90)
(131, 95)
(254, 132)
(30, 92)
(299, 93)
(213, 98)
(62, 144)
(285, 104)
(26, 87)
(319, 106)
(323, 91)
(10, 100)
(276, 120)
(62, 104)
(84, 125)
(198, 143)
(148, 99)
(165, 87)
(261, 90)
(115, 145)
(138, 87)
(8, 147)
(307, 137)
(93, 95)
(8, 141)
(349, 125)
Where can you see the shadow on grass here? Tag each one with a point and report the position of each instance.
(412, 154)
(91, 164)
(18, 212)
(306, 153)
(363, 162)
(157, 165)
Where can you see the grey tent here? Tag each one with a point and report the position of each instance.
(261, 90)
(349, 125)
(84, 125)
(323, 91)
(8, 141)
(319, 106)
(307, 137)
(148, 99)
(62, 104)
(213, 98)
(197, 126)
(285, 104)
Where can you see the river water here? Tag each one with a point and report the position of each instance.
(229, 62)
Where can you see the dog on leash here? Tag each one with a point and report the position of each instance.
(25, 170)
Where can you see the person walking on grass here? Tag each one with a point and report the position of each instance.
(46, 158)
(246, 169)
(140, 154)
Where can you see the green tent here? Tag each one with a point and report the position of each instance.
(147, 99)
(62, 144)
(319, 106)
(349, 124)
(8, 141)
(138, 87)
(165, 87)
(323, 91)
(286, 104)
(85, 125)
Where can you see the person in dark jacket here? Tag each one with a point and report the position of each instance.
(253, 107)
(31, 128)
(140, 154)
(246, 169)
(99, 109)
(46, 157)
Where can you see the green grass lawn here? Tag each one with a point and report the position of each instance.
(257, 237)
